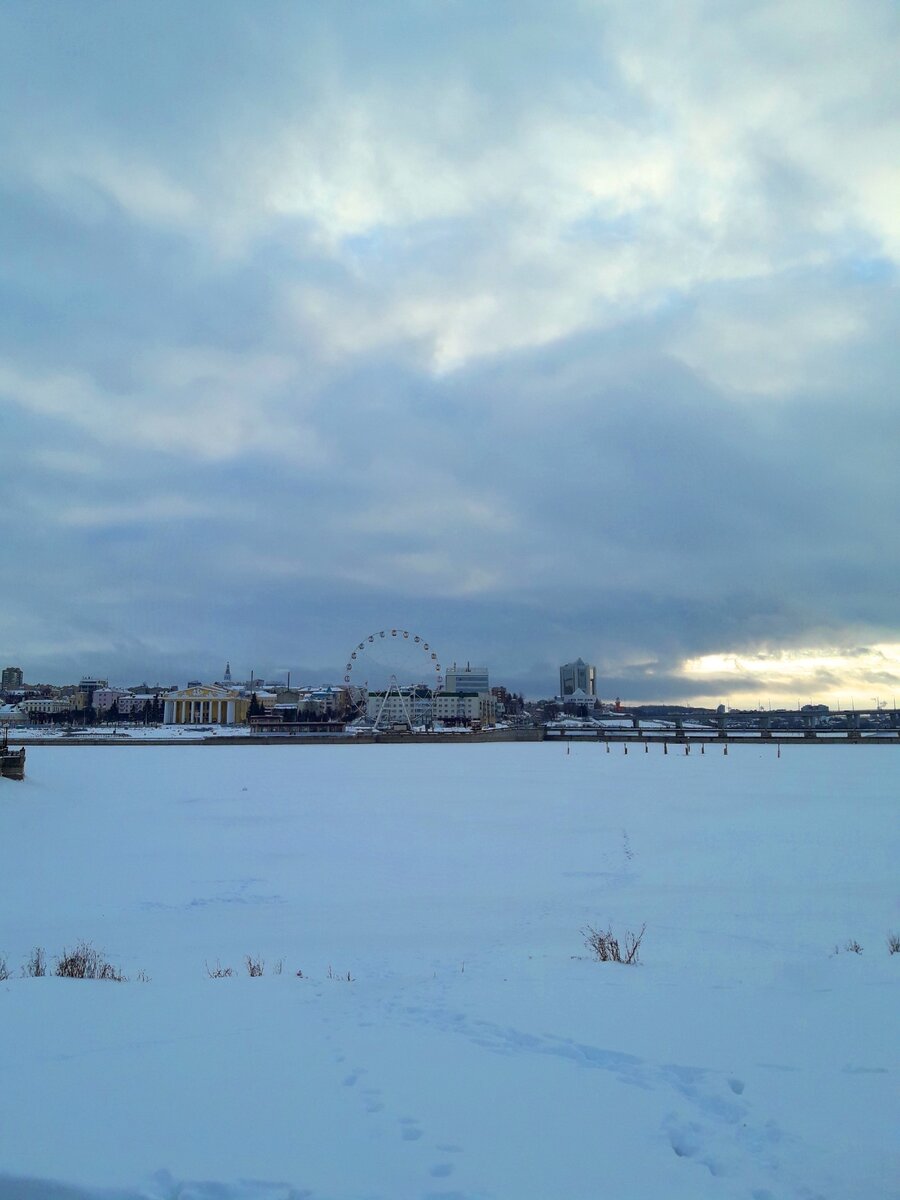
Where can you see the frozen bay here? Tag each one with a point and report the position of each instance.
(476, 1051)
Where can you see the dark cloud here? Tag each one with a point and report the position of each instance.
(500, 330)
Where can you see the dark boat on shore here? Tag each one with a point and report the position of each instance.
(12, 762)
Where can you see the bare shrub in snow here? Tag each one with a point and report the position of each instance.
(255, 966)
(278, 967)
(851, 946)
(348, 978)
(218, 971)
(36, 967)
(4, 972)
(84, 962)
(893, 942)
(605, 946)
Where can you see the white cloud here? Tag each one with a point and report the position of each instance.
(748, 144)
(693, 144)
(153, 510)
(774, 345)
(195, 403)
(436, 502)
(80, 175)
(67, 462)
(360, 161)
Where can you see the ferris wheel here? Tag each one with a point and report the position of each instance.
(358, 654)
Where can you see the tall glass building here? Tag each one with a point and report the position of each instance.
(577, 676)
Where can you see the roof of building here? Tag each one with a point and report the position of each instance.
(203, 691)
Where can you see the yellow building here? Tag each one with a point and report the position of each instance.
(205, 704)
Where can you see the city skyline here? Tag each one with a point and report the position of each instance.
(546, 334)
(870, 692)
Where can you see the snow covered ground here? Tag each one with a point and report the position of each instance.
(476, 1052)
(114, 733)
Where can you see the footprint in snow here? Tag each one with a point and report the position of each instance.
(373, 1103)
(411, 1131)
(684, 1140)
(687, 1142)
(737, 1086)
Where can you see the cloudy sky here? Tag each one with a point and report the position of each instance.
(541, 330)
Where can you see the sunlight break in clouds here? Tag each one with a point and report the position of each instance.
(838, 676)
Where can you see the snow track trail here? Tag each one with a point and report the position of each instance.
(429, 1024)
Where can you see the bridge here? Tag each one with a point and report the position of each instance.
(789, 725)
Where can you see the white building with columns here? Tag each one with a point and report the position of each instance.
(205, 704)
